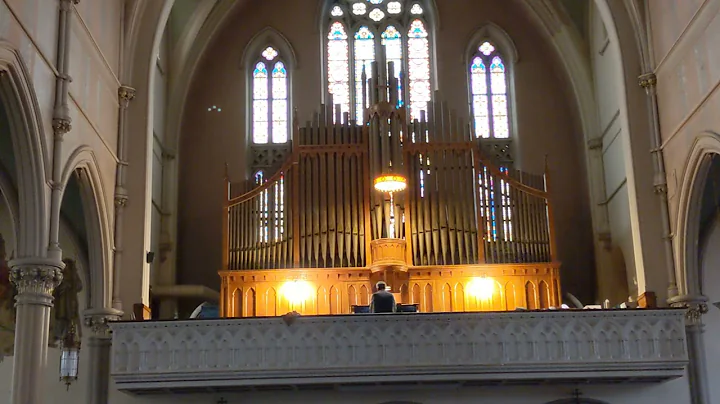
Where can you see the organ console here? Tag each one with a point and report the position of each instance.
(414, 201)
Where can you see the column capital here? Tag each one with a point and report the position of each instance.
(98, 321)
(61, 126)
(647, 80)
(36, 276)
(695, 307)
(125, 95)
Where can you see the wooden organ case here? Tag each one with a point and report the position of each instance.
(466, 234)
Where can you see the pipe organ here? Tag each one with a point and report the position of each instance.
(458, 232)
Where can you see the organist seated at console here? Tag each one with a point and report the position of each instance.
(382, 300)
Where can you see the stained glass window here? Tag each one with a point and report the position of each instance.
(270, 107)
(418, 68)
(338, 69)
(364, 56)
(389, 31)
(488, 85)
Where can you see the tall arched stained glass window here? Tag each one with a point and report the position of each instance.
(383, 31)
(338, 69)
(488, 84)
(270, 109)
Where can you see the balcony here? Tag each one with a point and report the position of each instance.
(589, 346)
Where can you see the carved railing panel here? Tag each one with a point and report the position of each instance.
(582, 346)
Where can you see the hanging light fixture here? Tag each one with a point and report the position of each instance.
(69, 356)
(390, 183)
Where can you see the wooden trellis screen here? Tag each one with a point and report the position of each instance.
(320, 211)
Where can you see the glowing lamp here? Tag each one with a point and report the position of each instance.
(390, 183)
(296, 291)
(69, 356)
(481, 288)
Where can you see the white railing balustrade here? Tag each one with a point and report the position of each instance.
(590, 345)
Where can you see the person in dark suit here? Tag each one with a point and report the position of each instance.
(382, 300)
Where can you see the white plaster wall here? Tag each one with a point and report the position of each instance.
(710, 264)
(604, 54)
(672, 392)
(30, 27)
(685, 36)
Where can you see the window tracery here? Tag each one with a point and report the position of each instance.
(488, 84)
(364, 31)
(270, 108)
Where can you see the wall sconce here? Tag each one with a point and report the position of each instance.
(69, 356)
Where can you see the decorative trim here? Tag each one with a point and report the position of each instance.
(61, 126)
(588, 346)
(36, 276)
(688, 271)
(595, 143)
(695, 307)
(647, 80)
(98, 321)
(125, 95)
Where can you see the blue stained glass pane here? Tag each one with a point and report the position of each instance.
(260, 70)
(417, 30)
(376, 1)
(279, 70)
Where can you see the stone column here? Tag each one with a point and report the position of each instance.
(98, 353)
(35, 280)
(697, 368)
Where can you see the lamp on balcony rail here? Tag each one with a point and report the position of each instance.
(69, 356)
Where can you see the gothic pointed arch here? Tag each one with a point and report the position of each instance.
(82, 168)
(268, 62)
(29, 152)
(490, 55)
(694, 178)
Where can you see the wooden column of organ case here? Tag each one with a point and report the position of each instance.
(315, 237)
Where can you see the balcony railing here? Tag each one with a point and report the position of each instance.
(465, 348)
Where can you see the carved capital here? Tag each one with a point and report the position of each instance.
(647, 80)
(36, 276)
(125, 95)
(595, 143)
(694, 313)
(695, 307)
(121, 200)
(98, 321)
(660, 189)
(61, 126)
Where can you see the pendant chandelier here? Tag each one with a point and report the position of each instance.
(69, 356)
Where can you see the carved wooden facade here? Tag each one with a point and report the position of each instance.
(318, 220)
